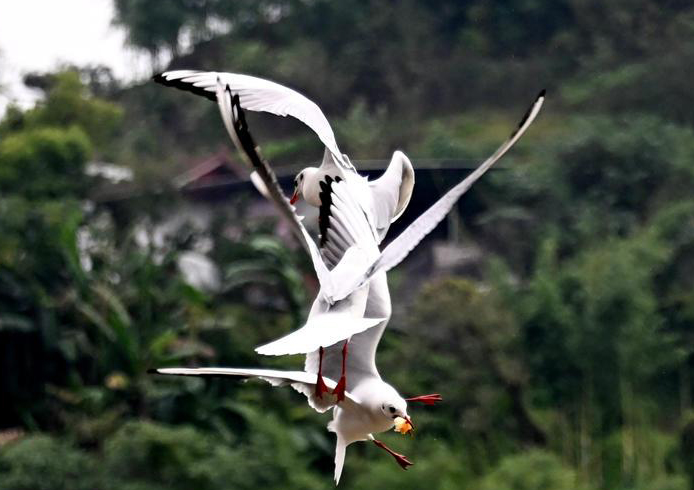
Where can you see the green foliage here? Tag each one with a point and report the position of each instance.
(565, 359)
(42, 462)
(68, 103)
(148, 455)
(44, 163)
(534, 470)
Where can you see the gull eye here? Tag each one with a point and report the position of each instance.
(392, 409)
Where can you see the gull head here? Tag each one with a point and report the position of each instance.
(394, 408)
(303, 185)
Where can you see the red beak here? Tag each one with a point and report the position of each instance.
(409, 421)
(295, 197)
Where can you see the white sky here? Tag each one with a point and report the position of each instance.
(39, 35)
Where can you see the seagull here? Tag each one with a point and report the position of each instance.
(372, 408)
(382, 200)
(354, 251)
(364, 308)
(369, 405)
(348, 279)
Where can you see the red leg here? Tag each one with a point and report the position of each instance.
(426, 399)
(320, 384)
(399, 458)
(342, 383)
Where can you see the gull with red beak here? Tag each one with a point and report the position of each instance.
(352, 276)
(382, 200)
(372, 407)
(365, 405)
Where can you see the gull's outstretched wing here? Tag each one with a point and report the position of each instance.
(398, 249)
(347, 241)
(392, 192)
(326, 325)
(344, 227)
(235, 123)
(301, 381)
(320, 331)
(257, 94)
(401, 246)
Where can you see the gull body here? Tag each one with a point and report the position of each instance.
(382, 200)
(342, 230)
(378, 202)
(370, 405)
(350, 268)
(372, 408)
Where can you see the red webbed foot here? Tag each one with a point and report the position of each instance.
(401, 459)
(320, 384)
(340, 389)
(342, 383)
(320, 387)
(426, 399)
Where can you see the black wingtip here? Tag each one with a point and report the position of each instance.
(152, 371)
(529, 111)
(185, 86)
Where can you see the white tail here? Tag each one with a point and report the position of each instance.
(340, 449)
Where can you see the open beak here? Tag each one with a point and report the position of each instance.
(294, 198)
(403, 425)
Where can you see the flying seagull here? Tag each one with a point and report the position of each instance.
(353, 254)
(382, 200)
(262, 95)
(369, 405)
(346, 221)
(373, 407)
(354, 257)
(368, 400)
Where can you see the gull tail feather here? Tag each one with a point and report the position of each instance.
(340, 449)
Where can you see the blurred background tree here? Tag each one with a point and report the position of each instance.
(564, 354)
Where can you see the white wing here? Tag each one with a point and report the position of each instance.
(320, 331)
(327, 324)
(344, 225)
(301, 381)
(398, 249)
(235, 123)
(401, 246)
(361, 358)
(392, 192)
(347, 238)
(257, 94)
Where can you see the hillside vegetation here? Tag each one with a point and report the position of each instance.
(565, 363)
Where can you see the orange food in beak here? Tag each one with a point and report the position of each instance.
(403, 426)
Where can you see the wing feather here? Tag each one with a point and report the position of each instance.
(403, 244)
(257, 94)
(392, 192)
(301, 381)
(320, 331)
(399, 248)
